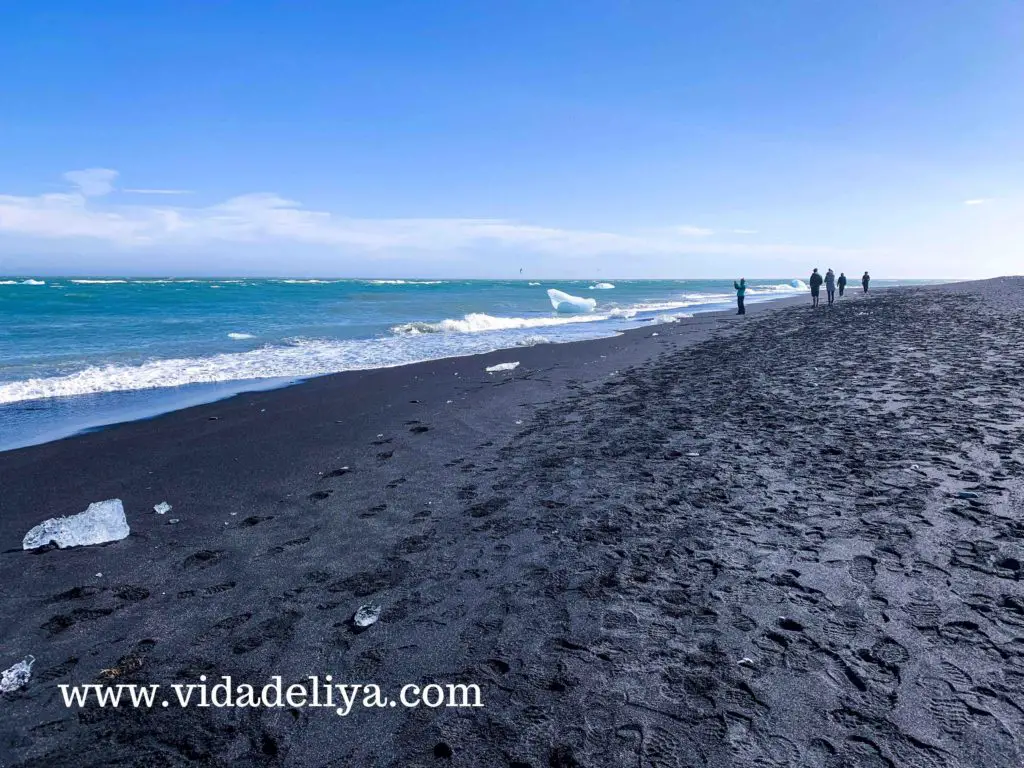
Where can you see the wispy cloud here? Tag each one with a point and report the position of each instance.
(158, 191)
(261, 218)
(977, 201)
(691, 231)
(92, 182)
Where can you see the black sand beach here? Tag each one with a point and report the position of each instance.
(787, 539)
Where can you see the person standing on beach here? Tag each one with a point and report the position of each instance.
(830, 285)
(741, 290)
(841, 283)
(815, 282)
(865, 280)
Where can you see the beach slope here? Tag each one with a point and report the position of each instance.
(789, 539)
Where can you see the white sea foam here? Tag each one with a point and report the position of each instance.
(793, 286)
(98, 282)
(302, 358)
(477, 322)
(240, 336)
(601, 287)
(30, 281)
(405, 282)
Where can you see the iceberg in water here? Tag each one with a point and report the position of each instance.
(103, 521)
(601, 286)
(563, 302)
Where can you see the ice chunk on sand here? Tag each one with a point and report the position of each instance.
(103, 521)
(162, 508)
(502, 367)
(601, 286)
(366, 615)
(17, 676)
(563, 302)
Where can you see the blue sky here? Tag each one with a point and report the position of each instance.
(636, 139)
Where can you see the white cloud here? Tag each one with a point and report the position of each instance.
(694, 231)
(158, 191)
(265, 218)
(976, 201)
(93, 182)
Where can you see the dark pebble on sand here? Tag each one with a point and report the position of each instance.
(442, 750)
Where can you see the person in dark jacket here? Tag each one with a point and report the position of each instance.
(830, 285)
(841, 282)
(865, 280)
(741, 290)
(815, 282)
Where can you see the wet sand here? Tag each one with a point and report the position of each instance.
(789, 539)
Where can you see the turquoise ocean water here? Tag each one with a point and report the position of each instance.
(80, 352)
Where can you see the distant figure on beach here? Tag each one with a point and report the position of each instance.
(741, 289)
(865, 280)
(815, 282)
(841, 283)
(830, 285)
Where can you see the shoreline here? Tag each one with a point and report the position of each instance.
(740, 541)
(146, 404)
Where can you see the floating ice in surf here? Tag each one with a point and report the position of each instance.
(502, 367)
(563, 302)
(239, 335)
(17, 676)
(601, 286)
(103, 521)
(162, 508)
(367, 615)
(532, 340)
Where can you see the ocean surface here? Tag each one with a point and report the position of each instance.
(77, 353)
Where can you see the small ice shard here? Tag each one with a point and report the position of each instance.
(654, 334)
(17, 676)
(692, 453)
(563, 302)
(367, 615)
(746, 661)
(162, 508)
(502, 367)
(173, 521)
(103, 521)
(601, 286)
(968, 495)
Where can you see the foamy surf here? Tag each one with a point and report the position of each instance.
(477, 322)
(299, 359)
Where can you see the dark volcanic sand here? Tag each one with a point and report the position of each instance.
(850, 527)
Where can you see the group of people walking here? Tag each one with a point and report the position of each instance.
(831, 283)
(830, 280)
